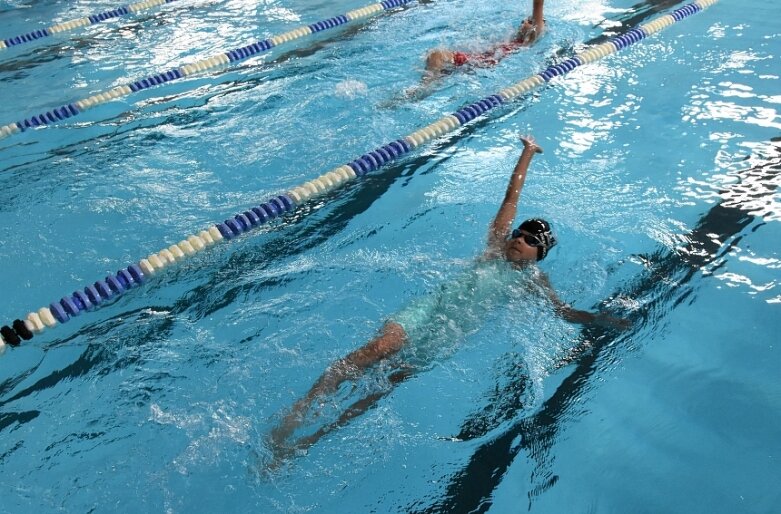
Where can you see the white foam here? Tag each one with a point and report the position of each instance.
(351, 88)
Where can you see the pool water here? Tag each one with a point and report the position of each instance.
(660, 174)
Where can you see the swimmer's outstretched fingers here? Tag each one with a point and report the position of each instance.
(531, 144)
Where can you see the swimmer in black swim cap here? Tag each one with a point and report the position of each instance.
(536, 232)
(523, 247)
(533, 239)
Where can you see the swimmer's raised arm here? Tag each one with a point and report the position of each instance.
(500, 227)
(532, 27)
(537, 15)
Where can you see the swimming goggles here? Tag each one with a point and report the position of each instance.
(529, 239)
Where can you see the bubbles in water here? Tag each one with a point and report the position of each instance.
(351, 88)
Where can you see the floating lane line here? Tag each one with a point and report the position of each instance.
(123, 10)
(231, 56)
(113, 286)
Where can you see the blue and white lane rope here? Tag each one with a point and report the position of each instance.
(231, 56)
(125, 279)
(122, 10)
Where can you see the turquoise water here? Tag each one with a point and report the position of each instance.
(660, 175)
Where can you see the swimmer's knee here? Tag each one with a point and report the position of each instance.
(392, 339)
(395, 330)
(384, 345)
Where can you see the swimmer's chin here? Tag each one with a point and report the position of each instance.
(513, 255)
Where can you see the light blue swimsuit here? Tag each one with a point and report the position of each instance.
(436, 322)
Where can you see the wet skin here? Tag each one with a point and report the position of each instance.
(518, 250)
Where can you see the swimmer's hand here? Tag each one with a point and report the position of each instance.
(593, 318)
(608, 321)
(530, 144)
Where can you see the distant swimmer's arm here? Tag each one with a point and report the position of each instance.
(532, 27)
(537, 16)
(500, 227)
(438, 64)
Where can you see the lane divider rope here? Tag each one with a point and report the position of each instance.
(123, 10)
(231, 56)
(137, 273)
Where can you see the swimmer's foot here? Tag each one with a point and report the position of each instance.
(531, 144)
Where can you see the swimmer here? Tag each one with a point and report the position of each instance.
(440, 61)
(458, 307)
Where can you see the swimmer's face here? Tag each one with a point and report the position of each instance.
(526, 30)
(518, 249)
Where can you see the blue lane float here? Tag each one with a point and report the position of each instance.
(225, 58)
(92, 19)
(136, 274)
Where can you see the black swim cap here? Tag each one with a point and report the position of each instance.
(542, 230)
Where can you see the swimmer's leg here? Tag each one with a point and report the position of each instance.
(354, 410)
(388, 343)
